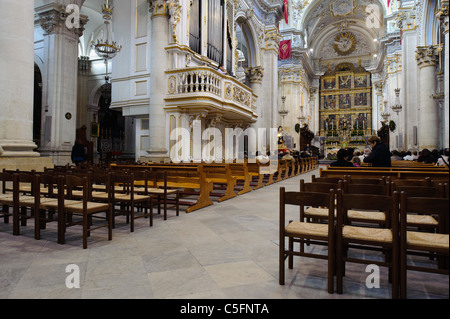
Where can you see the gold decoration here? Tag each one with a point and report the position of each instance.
(345, 43)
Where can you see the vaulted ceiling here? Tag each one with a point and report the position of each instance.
(343, 30)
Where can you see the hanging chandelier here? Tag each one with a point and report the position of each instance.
(105, 47)
(397, 107)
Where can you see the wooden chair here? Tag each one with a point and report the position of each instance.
(8, 196)
(419, 220)
(301, 232)
(429, 243)
(367, 238)
(315, 213)
(84, 208)
(27, 188)
(46, 201)
(128, 200)
(158, 189)
(368, 216)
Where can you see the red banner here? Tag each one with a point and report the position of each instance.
(285, 49)
(286, 11)
(388, 3)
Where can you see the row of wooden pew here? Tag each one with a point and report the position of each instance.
(200, 183)
(395, 172)
(401, 218)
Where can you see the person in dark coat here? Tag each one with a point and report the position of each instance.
(380, 155)
(78, 153)
(342, 159)
(426, 157)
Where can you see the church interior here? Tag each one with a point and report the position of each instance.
(210, 116)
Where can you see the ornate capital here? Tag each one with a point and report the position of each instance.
(159, 7)
(52, 19)
(255, 74)
(428, 55)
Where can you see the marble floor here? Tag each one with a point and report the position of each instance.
(225, 251)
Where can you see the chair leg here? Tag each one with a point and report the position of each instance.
(110, 222)
(281, 259)
(339, 266)
(5, 210)
(85, 230)
(395, 273)
(291, 257)
(331, 267)
(16, 220)
(177, 199)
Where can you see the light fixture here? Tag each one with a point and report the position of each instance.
(385, 113)
(106, 48)
(397, 107)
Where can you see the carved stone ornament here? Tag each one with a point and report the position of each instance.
(345, 44)
(428, 55)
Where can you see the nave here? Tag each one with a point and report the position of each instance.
(225, 251)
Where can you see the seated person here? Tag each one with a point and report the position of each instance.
(411, 156)
(342, 159)
(288, 156)
(426, 157)
(395, 156)
(380, 155)
(356, 161)
(443, 160)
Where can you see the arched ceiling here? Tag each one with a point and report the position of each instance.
(333, 26)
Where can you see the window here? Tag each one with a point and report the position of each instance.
(195, 26)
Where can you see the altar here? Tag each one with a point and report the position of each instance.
(345, 108)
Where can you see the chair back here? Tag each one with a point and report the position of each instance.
(366, 181)
(365, 189)
(7, 179)
(48, 181)
(418, 191)
(317, 187)
(333, 180)
(370, 202)
(302, 199)
(426, 182)
(72, 183)
(27, 180)
(122, 183)
(438, 207)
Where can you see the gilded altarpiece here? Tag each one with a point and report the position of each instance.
(346, 107)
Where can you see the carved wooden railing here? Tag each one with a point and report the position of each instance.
(202, 81)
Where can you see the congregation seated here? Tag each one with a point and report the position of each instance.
(395, 156)
(443, 158)
(411, 156)
(342, 159)
(288, 156)
(426, 157)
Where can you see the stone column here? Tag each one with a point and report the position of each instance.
(427, 59)
(269, 96)
(17, 67)
(17, 83)
(158, 87)
(60, 75)
(256, 75)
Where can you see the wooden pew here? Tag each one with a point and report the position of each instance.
(393, 174)
(182, 177)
